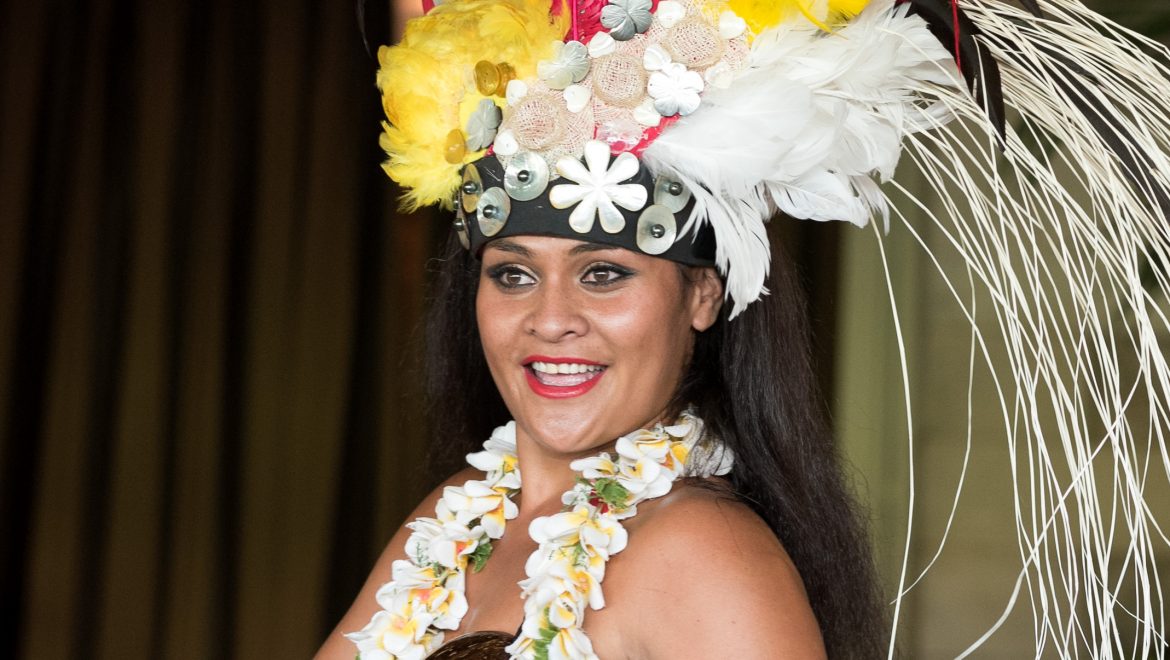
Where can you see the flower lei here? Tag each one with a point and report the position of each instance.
(427, 593)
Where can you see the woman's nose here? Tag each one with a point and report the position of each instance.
(556, 314)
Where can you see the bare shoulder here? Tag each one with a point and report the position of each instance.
(709, 516)
(365, 606)
(720, 576)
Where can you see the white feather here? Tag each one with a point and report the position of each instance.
(803, 129)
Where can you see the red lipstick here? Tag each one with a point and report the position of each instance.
(561, 386)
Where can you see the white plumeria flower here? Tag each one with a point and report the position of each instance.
(675, 90)
(597, 534)
(443, 513)
(569, 64)
(650, 464)
(477, 500)
(540, 565)
(564, 582)
(595, 467)
(671, 455)
(482, 125)
(406, 576)
(418, 544)
(565, 611)
(369, 639)
(396, 635)
(501, 443)
(419, 589)
(448, 606)
(559, 528)
(634, 448)
(522, 648)
(597, 188)
(447, 544)
(578, 494)
(571, 644)
(498, 458)
(645, 479)
(577, 589)
(472, 497)
(603, 538)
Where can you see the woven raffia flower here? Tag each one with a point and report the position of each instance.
(482, 125)
(569, 64)
(597, 188)
(675, 90)
(625, 18)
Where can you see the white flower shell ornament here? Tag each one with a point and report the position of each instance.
(680, 128)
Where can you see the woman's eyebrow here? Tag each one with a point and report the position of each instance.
(591, 247)
(510, 246)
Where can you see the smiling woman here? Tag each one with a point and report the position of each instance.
(611, 318)
(655, 358)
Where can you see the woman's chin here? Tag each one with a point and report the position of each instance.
(567, 434)
(581, 428)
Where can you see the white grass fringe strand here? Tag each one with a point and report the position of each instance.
(1051, 223)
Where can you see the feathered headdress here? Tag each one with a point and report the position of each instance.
(679, 127)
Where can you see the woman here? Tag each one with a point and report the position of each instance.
(612, 168)
(722, 583)
(709, 547)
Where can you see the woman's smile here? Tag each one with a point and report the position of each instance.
(562, 378)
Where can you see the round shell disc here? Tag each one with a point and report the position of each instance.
(492, 211)
(657, 229)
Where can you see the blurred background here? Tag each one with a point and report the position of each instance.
(210, 419)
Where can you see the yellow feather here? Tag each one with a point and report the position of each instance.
(428, 88)
(762, 14)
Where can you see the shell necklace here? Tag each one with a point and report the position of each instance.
(426, 595)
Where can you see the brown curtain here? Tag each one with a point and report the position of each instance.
(209, 310)
(208, 420)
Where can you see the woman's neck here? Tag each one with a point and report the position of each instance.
(546, 475)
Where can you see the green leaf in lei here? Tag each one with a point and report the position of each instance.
(480, 556)
(611, 492)
(540, 648)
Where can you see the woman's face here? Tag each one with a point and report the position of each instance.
(587, 342)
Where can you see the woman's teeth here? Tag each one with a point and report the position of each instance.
(564, 368)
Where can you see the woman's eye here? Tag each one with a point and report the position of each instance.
(510, 277)
(605, 274)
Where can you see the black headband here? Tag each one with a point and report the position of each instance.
(496, 201)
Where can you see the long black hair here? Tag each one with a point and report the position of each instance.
(752, 382)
